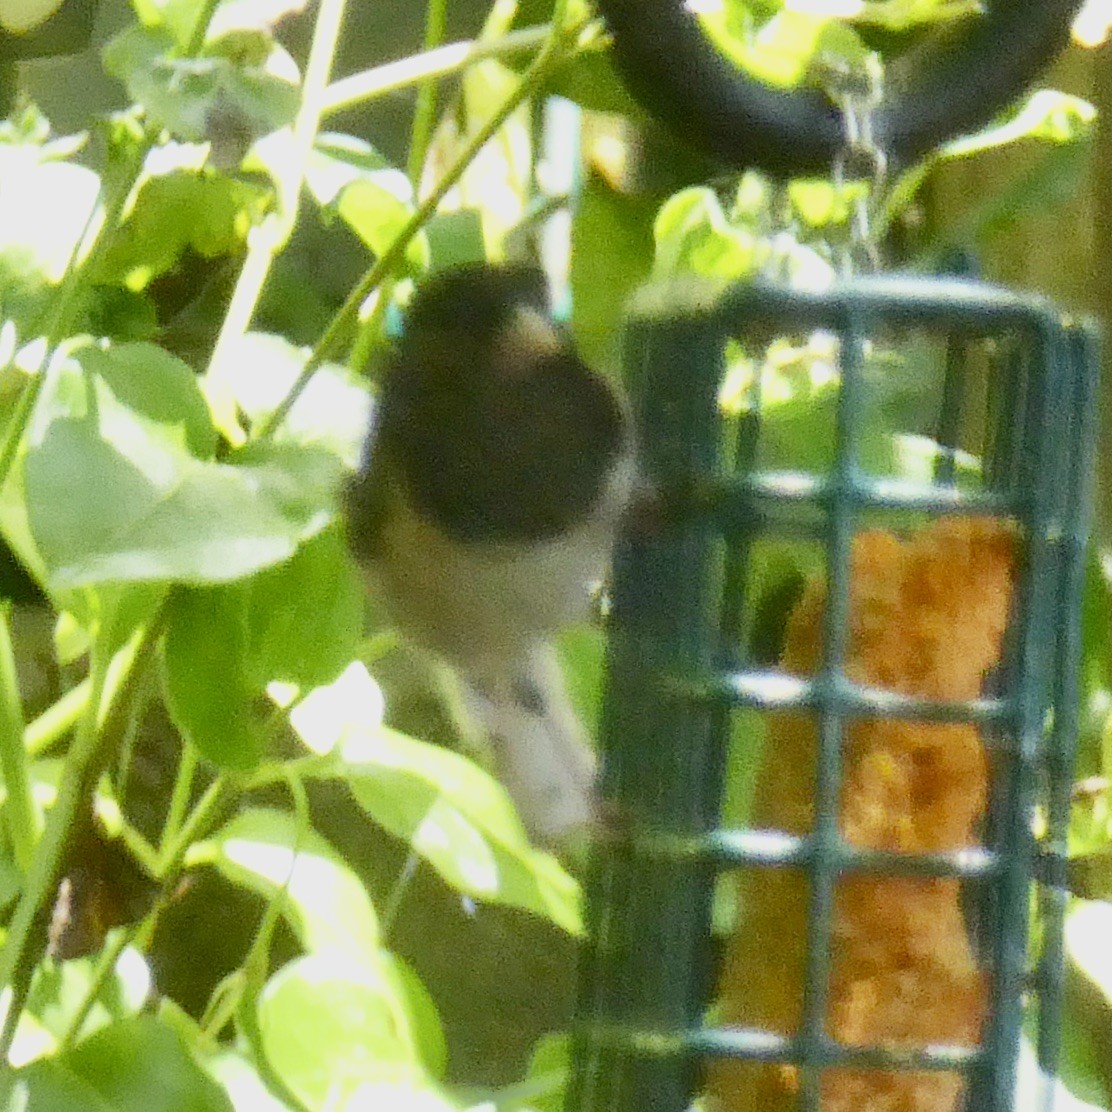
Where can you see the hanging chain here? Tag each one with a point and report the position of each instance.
(858, 91)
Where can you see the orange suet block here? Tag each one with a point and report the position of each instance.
(927, 618)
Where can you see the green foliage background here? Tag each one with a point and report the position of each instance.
(194, 285)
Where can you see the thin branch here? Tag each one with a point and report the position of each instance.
(430, 65)
(344, 322)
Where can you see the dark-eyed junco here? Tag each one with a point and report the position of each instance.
(496, 473)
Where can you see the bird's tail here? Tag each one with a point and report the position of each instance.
(541, 750)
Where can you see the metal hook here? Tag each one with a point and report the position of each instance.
(954, 85)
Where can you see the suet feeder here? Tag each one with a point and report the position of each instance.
(910, 810)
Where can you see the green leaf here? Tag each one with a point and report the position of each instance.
(45, 207)
(1088, 928)
(209, 695)
(142, 1064)
(113, 494)
(20, 16)
(582, 658)
(329, 1026)
(241, 1081)
(157, 385)
(185, 95)
(782, 51)
(228, 1066)
(1052, 179)
(1032, 1084)
(304, 616)
(424, 1020)
(905, 15)
(693, 236)
(206, 213)
(1046, 114)
(455, 238)
(178, 17)
(349, 177)
(544, 1085)
(589, 79)
(332, 412)
(448, 809)
(48, 1086)
(603, 280)
(116, 314)
(59, 988)
(325, 902)
(298, 622)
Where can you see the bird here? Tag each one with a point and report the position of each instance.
(495, 476)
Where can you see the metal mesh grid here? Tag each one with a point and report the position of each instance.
(676, 672)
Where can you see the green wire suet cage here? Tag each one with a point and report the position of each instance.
(1009, 409)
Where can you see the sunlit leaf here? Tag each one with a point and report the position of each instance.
(820, 202)
(1092, 23)
(333, 410)
(337, 160)
(45, 207)
(178, 17)
(157, 387)
(1088, 929)
(325, 902)
(325, 715)
(902, 15)
(241, 1081)
(1046, 114)
(497, 180)
(329, 1026)
(782, 50)
(20, 16)
(261, 15)
(693, 235)
(1032, 1087)
(229, 1066)
(349, 177)
(543, 1088)
(114, 494)
(447, 808)
(206, 213)
(399, 1096)
(59, 988)
(424, 1020)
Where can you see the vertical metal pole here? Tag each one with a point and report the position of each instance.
(645, 972)
(822, 874)
(1074, 398)
(1036, 482)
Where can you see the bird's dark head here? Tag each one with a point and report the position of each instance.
(476, 298)
(480, 325)
(497, 427)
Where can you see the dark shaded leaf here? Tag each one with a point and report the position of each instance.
(142, 1064)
